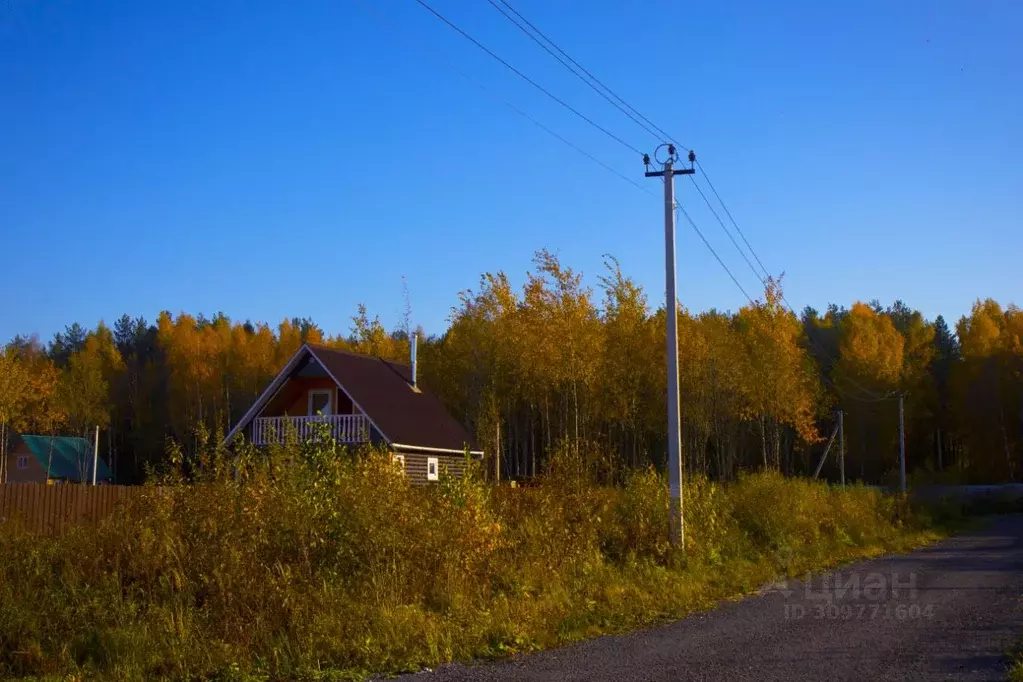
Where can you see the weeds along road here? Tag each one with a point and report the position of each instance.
(948, 612)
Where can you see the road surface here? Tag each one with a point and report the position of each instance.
(948, 612)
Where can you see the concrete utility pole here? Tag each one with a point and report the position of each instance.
(902, 447)
(669, 172)
(827, 449)
(841, 447)
(95, 455)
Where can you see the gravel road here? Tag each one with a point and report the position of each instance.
(948, 612)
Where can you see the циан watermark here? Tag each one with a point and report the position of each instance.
(885, 611)
(853, 595)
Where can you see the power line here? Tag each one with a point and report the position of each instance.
(662, 134)
(626, 108)
(729, 214)
(497, 98)
(527, 78)
(678, 208)
(566, 64)
(728, 232)
(575, 147)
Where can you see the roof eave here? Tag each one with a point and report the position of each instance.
(475, 454)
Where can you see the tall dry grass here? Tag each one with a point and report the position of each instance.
(310, 564)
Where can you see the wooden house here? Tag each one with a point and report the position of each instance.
(361, 399)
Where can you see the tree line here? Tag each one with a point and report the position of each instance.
(558, 363)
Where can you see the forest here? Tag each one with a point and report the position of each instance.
(559, 362)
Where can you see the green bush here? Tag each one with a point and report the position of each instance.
(313, 563)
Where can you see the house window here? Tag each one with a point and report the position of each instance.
(320, 400)
(399, 461)
(431, 469)
(22, 462)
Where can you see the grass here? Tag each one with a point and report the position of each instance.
(336, 567)
(1015, 656)
(1016, 663)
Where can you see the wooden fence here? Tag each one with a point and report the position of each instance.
(53, 508)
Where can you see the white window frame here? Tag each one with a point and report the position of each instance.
(319, 391)
(398, 461)
(434, 464)
(22, 461)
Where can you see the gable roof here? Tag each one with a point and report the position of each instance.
(71, 457)
(383, 390)
(406, 417)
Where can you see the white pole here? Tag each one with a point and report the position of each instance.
(95, 455)
(841, 446)
(674, 435)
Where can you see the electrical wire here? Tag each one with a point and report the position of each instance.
(678, 208)
(728, 232)
(662, 134)
(497, 98)
(562, 61)
(573, 146)
(729, 214)
(526, 78)
(626, 108)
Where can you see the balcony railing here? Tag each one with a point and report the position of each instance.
(344, 428)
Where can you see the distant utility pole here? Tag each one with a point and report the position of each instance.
(95, 455)
(671, 309)
(841, 447)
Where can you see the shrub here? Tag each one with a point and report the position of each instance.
(310, 561)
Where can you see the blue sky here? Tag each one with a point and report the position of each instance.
(272, 159)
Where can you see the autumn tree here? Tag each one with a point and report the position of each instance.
(530, 369)
(13, 382)
(628, 364)
(989, 388)
(780, 388)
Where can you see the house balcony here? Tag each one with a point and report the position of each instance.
(344, 428)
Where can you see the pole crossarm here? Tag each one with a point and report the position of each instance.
(675, 171)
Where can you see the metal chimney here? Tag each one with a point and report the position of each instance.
(412, 348)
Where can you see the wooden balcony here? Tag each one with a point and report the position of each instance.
(344, 428)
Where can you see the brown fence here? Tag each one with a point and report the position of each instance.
(53, 508)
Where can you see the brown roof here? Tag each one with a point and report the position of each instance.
(383, 390)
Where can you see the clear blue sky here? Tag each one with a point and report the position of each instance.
(278, 159)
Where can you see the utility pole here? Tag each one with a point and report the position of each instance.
(95, 455)
(841, 447)
(668, 172)
(902, 447)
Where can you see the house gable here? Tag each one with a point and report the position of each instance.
(404, 416)
(32, 471)
(290, 387)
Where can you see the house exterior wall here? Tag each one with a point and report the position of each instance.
(34, 473)
(415, 465)
(293, 398)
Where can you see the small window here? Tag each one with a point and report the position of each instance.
(320, 401)
(399, 461)
(431, 469)
(22, 462)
